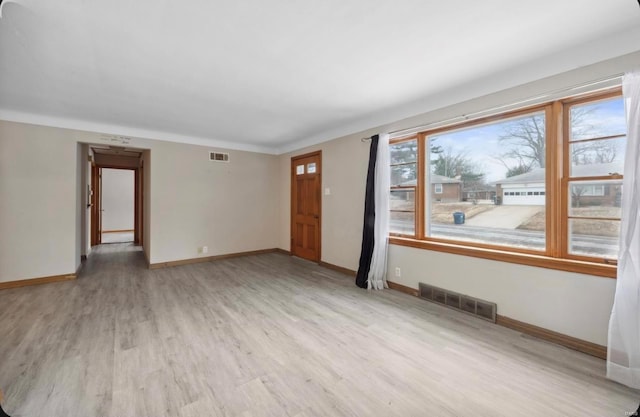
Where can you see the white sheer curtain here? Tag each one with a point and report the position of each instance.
(623, 356)
(378, 271)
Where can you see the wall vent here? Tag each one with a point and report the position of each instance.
(218, 157)
(483, 309)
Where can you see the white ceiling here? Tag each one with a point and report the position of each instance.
(273, 75)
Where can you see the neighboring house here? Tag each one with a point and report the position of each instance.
(529, 188)
(526, 189)
(594, 194)
(443, 189)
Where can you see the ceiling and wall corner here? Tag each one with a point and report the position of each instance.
(276, 76)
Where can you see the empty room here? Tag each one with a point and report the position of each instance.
(356, 208)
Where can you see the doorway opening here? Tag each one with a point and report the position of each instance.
(116, 191)
(306, 206)
(117, 209)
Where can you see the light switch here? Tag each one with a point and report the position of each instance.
(327, 191)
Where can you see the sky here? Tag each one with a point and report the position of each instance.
(481, 143)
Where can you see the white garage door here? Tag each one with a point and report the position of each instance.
(524, 197)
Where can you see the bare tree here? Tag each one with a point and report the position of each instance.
(522, 165)
(517, 170)
(576, 193)
(596, 152)
(525, 139)
(525, 143)
(457, 165)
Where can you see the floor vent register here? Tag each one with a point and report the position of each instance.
(480, 308)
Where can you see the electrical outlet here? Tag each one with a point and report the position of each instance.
(205, 249)
(398, 272)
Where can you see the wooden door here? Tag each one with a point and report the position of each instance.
(306, 205)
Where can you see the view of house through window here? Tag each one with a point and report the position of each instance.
(494, 175)
(487, 184)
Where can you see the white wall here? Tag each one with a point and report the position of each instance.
(190, 201)
(229, 207)
(577, 305)
(117, 199)
(37, 202)
(146, 205)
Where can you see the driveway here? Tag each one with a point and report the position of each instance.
(505, 217)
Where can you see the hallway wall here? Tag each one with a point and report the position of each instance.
(191, 201)
(37, 202)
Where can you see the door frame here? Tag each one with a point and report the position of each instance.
(292, 197)
(96, 221)
(138, 206)
(96, 203)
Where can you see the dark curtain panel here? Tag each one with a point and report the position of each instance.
(369, 218)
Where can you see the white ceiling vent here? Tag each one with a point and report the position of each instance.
(218, 157)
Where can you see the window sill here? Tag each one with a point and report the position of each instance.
(541, 261)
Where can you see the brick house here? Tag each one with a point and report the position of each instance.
(445, 189)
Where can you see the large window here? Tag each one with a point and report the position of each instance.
(491, 173)
(539, 186)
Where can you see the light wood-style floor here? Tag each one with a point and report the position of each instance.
(271, 335)
(117, 237)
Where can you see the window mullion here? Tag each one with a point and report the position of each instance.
(420, 203)
(564, 172)
(554, 170)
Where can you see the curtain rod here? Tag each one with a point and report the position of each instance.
(551, 95)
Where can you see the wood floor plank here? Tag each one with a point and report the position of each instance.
(272, 335)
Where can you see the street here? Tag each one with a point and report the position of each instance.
(581, 244)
